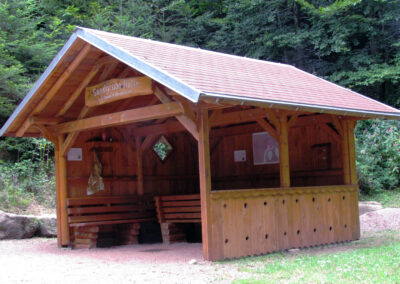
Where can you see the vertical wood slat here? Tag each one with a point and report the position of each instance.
(62, 170)
(266, 218)
(205, 182)
(139, 161)
(284, 152)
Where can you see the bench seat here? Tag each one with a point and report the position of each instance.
(172, 209)
(86, 214)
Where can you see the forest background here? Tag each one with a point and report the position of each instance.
(353, 43)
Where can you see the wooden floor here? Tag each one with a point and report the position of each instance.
(252, 222)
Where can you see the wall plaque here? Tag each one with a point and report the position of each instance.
(117, 89)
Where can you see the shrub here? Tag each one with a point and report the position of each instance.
(378, 155)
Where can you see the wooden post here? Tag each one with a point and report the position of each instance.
(205, 182)
(284, 151)
(352, 152)
(345, 153)
(139, 170)
(58, 200)
(63, 193)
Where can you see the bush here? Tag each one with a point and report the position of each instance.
(378, 155)
(26, 174)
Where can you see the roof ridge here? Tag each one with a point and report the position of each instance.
(189, 48)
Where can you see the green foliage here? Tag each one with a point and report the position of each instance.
(351, 42)
(26, 173)
(378, 155)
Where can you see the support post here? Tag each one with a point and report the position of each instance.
(345, 153)
(284, 151)
(139, 170)
(62, 191)
(352, 152)
(58, 199)
(205, 181)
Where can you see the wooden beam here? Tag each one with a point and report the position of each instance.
(205, 183)
(333, 133)
(148, 141)
(120, 118)
(57, 85)
(215, 115)
(235, 117)
(284, 151)
(268, 127)
(273, 119)
(292, 120)
(45, 120)
(71, 138)
(46, 133)
(63, 194)
(139, 163)
(336, 124)
(188, 123)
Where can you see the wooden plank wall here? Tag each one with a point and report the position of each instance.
(303, 150)
(259, 221)
(178, 174)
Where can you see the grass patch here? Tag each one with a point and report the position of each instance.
(373, 259)
(388, 198)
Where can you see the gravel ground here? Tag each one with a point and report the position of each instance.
(40, 261)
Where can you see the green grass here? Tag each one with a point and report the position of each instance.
(373, 259)
(388, 198)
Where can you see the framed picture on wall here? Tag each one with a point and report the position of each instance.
(265, 149)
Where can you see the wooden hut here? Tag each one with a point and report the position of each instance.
(260, 153)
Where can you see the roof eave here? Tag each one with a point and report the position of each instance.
(224, 98)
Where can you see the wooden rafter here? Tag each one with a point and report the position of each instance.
(120, 118)
(108, 69)
(78, 91)
(57, 85)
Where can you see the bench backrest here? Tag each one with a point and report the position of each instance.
(110, 209)
(178, 208)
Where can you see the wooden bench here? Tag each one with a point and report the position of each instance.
(87, 214)
(172, 209)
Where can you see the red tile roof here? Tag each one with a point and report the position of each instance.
(217, 73)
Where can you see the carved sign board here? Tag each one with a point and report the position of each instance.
(117, 89)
